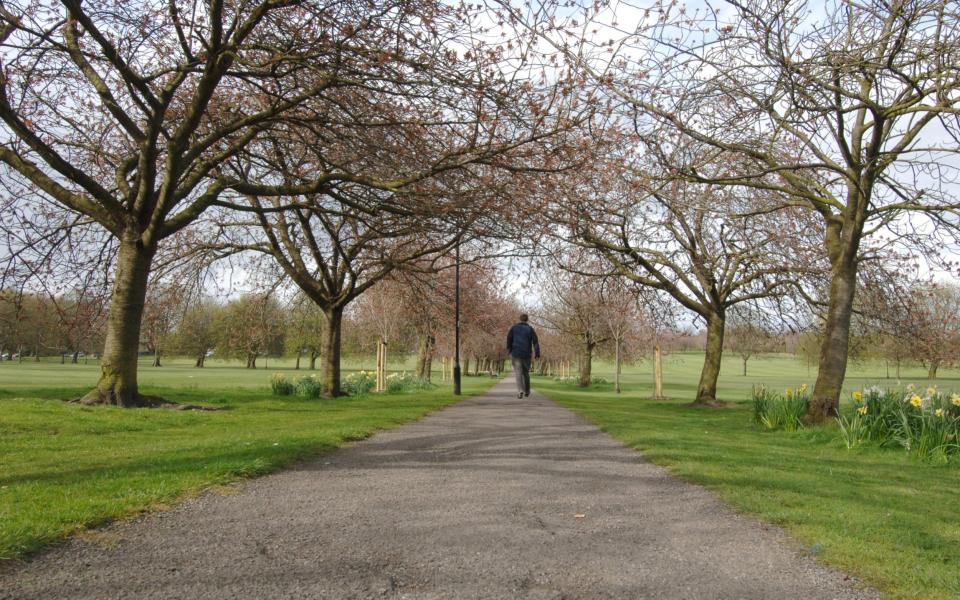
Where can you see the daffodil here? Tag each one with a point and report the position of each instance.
(931, 391)
(955, 400)
(858, 396)
(789, 392)
(803, 387)
(916, 401)
(862, 410)
(940, 412)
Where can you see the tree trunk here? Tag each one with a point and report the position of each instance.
(118, 366)
(252, 360)
(424, 355)
(834, 350)
(63, 358)
(75, 358)
(898, 368)
(586, 363)
(745, 366)
(296, 367)
(707, 388)
(200, 361)
(156, 359)
(932, 370)
(331, 352)
(313, 360)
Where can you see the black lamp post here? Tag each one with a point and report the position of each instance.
(456, 334)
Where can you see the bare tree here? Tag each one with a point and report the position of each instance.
(748, 336)
(574, 307)
(685, 240)
(847, 111)
(195, 331)
(306, 330)
(127, 117)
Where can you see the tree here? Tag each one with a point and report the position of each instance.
(163, 307)
(249, 327)
(574, 307)
(626, 314)
(195, 335)
(747, 337)
(934, 325)
(844, 112)
(683, 239)
(305, 333)
(128, 117)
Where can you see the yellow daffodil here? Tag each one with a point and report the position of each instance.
(940, 412)
(931, 391)
(916, 401)
(803, 387)
(789, 392)
(955, 400)
(862, 410)
(858, 396)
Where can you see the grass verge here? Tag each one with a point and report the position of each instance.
(64, 467)
(881, 514)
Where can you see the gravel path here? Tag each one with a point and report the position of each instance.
(492, 498)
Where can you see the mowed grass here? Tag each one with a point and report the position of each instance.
(64, 467)
(881, 514)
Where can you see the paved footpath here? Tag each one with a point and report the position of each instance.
(492, 498)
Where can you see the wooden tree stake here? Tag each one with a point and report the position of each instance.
(657, 374)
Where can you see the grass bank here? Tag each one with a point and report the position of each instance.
(880, 514)
(64, 466)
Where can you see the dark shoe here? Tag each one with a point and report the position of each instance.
(526, 395)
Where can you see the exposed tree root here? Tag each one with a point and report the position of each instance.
(97, 397)
(709, 402)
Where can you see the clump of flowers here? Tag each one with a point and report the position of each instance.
(359, 383)
(280, 385)
(309, 387)
(773, 411)
(927, 426)
(406, 382)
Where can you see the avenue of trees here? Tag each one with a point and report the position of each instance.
(760, 169)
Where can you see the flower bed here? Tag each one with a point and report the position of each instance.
(925, 423)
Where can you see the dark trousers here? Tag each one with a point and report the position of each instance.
(521, 370)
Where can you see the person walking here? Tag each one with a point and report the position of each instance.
(522, 342)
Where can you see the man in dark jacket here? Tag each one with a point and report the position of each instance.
(522, 342)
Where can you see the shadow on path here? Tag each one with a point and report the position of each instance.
(494, 497)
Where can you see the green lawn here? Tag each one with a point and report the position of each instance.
(64, 466)
(881, 514)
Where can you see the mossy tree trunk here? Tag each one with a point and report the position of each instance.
(118, 367)
(425, 349)
(586, 362)
(331, 352)
(834, 350)
(707, 388)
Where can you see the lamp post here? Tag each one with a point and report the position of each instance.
(456, 311)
